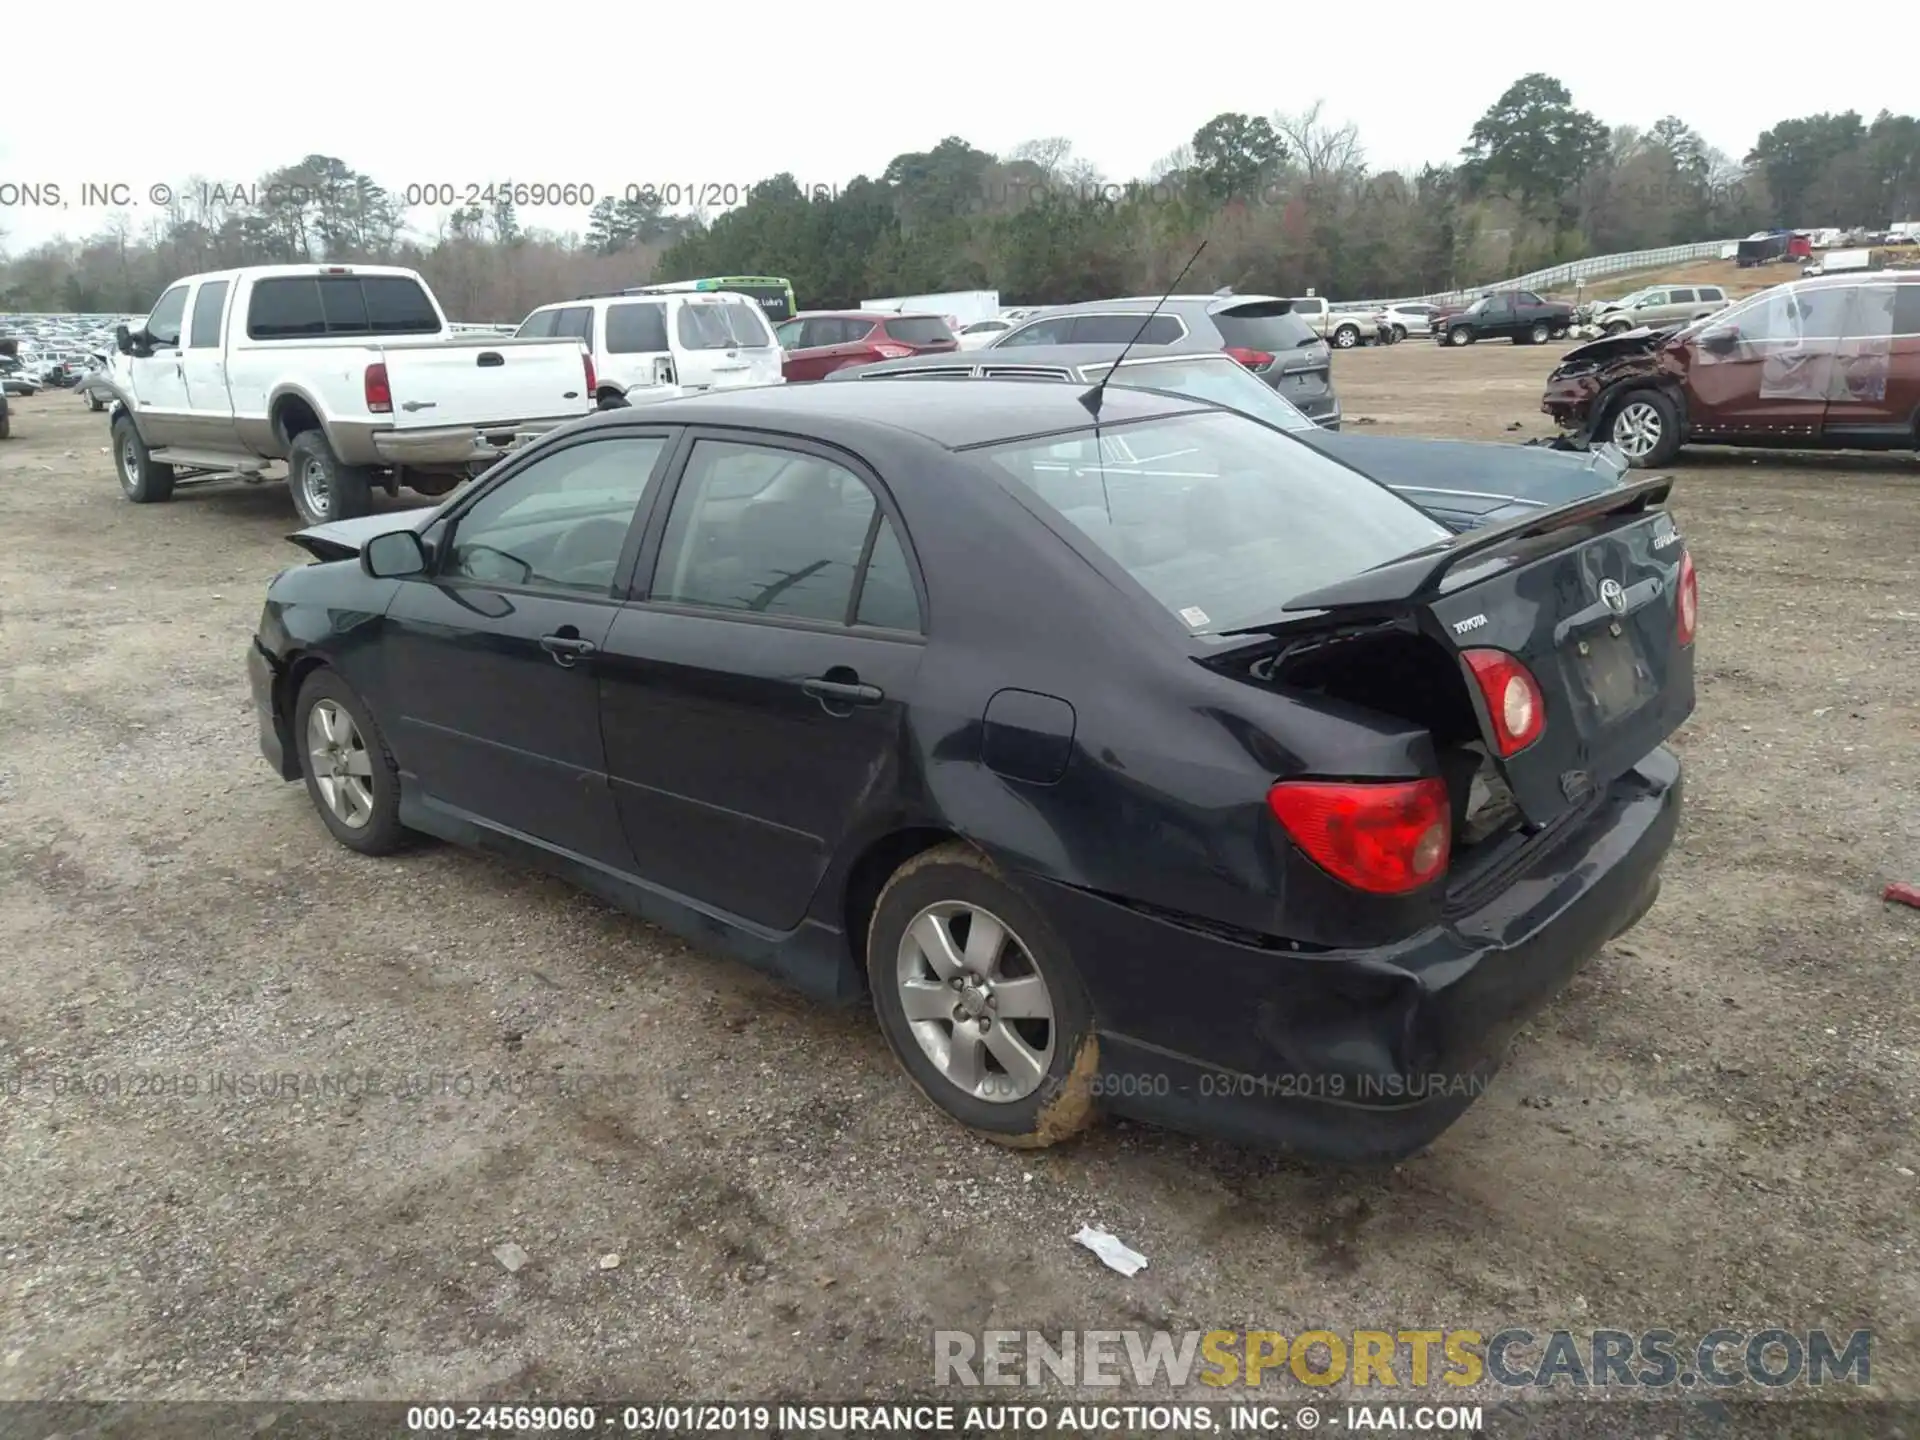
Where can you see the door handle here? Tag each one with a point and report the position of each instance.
(842, 692)
(565, 649)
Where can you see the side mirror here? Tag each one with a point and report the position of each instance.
(1723, 341)
(394, 555)
(122, 339)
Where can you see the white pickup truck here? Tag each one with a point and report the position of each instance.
(1344, 329)
(350, 374)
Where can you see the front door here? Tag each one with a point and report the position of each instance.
(204, 365)
(159, 379)
(754, 694)
(1764, 370)
(493, 663)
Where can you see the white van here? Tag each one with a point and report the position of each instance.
(654, 347)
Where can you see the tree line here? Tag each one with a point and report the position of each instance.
(1286, 203)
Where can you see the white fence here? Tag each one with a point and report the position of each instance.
(1573, 270)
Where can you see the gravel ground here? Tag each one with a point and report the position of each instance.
(1714, 1125)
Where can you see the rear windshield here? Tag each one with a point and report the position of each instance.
(1264, 327)
(636, 329)
(919, 330)
(293, 306)
(723, 325)
(1220, 520)
(1221, 382)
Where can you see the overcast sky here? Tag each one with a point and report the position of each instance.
(416, 92)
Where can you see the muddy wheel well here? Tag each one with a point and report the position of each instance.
(292, 416)
(869, 877)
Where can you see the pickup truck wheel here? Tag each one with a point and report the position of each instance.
(1459, 335)
(1346, 337)
(1539, 334)
(141, 481)
(1646, 427)
(323, 488)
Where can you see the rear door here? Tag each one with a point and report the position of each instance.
(1875, 392)
(493, 663)
(204, 364)
(1298, 362)
(722, 341)
(919, 335)
(634, 343)
(754, 697)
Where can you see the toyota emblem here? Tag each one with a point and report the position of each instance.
(1613, 597)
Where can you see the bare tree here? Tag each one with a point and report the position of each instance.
(1327, 153)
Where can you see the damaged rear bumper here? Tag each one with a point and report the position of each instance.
(1358, 1056)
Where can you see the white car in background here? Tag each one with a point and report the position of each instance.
(1414, 318)
(981, 332)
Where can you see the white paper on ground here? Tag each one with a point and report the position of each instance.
(1113, 1254)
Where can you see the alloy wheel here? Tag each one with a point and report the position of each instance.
(1637, 429)
(341, 767)
(975, 1001)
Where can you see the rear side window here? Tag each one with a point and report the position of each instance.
(918, 330)
(1119, 329)
(1263, 327)
(1680, 297)
(1710, 293)
(636, 329)
(207, 306)
(1906, 309)
(295, 306)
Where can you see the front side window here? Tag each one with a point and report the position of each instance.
(1052, 331)
(763, 531)
(163, 325)
(561, 523)
(1221, 520)
(537, 326)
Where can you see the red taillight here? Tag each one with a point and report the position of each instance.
(1513, 698)
(593, 381)
(1252, 359)
(1383, 838)
(1687, 602)
(379, 392)
(893, 352)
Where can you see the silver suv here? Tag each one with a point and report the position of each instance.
(1658, 307)
(1262, 332)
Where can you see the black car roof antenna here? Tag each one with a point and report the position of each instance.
(1092, 399)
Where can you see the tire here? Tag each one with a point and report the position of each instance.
(6, 424)
(611, 400)
(141, 480)
(1346, 337)
(949, 887)
(363, 816)
(1399, 333)
(1645, 424)
(1459, 335)
(95, 403)
(1538, 335)
(1617, 327)
(1559, 332)
(323, 488)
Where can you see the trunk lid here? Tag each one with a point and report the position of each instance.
(1585, 596)
(487, 382)
(343, 539)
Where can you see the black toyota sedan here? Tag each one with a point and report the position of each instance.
(1156, 764)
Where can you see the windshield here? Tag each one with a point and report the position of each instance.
(1480, 305)
(722, 325)
(1221, 521)
(1221, 382)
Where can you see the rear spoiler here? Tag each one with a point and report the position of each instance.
(1418, 576)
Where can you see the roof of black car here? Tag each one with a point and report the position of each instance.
(951, 415)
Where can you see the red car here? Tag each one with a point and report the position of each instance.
(819, 342)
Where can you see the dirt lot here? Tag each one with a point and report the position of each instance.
(1715, 1125)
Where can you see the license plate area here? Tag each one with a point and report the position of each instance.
(1610, 677)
